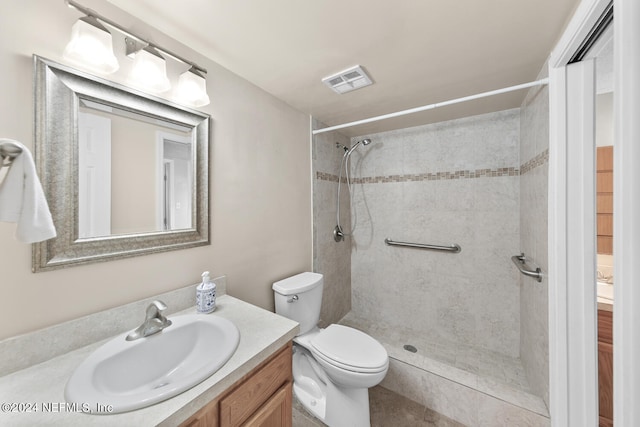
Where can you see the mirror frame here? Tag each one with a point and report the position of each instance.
(57, 89)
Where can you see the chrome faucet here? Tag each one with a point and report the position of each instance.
(154, 322)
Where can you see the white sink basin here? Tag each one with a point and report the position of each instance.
(125, 375)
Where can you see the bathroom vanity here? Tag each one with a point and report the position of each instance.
(253, 388)
(262, 398)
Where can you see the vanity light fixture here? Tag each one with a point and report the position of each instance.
(149, 68)
(91, 46)
(149, 71)
(192, 88)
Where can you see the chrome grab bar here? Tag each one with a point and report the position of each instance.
(453, 248)
(521, 262)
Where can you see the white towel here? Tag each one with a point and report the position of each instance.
(22, 200)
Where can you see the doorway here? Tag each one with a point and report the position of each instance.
(573, 350)
(175, 180)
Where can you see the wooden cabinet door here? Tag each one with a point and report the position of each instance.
(263, 398)
(605, 367)
(241, 403)
(605, 383)
(205, 417)
(276, 412)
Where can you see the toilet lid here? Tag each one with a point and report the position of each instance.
(350, 348)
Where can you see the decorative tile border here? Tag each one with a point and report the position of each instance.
(526, 167)
(538, 160)
(439, 176)
(323, 176)
(429, 176)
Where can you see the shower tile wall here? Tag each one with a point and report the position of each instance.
(534, 171)
(331, 259)
(444, 183)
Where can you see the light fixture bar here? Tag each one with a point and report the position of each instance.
(90, 12)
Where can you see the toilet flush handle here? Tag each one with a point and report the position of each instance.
(293, 298)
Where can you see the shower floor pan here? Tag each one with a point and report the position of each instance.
(471, 385)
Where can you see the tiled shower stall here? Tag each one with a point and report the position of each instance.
(479, 327)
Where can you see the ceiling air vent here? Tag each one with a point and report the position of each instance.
(348, 80)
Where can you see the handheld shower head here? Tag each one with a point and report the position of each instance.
(365, 141)
(338, 232)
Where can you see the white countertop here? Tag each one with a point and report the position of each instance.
(40, 388)
(605, 296)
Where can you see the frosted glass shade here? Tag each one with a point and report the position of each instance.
(149, 71)
(192, 89)
(91, 47)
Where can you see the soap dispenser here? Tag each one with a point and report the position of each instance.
(206, 295)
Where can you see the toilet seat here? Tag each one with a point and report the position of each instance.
(349, 349)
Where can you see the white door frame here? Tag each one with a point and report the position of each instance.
(572, 399)
(626, 217)
(572, 380)
(572, 307)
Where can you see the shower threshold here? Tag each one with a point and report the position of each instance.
(493, 374)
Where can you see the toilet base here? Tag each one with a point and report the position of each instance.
(335, 406)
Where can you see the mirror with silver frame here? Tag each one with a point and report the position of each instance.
(124, 173)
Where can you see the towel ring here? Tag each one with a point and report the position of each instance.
(8, 150)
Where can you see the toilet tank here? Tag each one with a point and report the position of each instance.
(299, 298)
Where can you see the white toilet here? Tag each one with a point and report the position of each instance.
(333, 368)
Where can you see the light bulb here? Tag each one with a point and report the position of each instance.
(91, 46)
(149, 71)
(192, 89)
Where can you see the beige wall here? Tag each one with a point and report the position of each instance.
(260, 187)
(133, 180)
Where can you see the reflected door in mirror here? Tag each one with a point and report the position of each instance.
(94, 170)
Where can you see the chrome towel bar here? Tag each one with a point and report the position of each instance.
(521, 262)
(453, 248)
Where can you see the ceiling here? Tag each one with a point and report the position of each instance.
(417, 52)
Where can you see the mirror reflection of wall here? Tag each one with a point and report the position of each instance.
(135, 173)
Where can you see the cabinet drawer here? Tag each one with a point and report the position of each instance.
(244, 400)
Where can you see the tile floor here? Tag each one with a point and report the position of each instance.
(494, 374)
(387, 409)
(482, 362)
